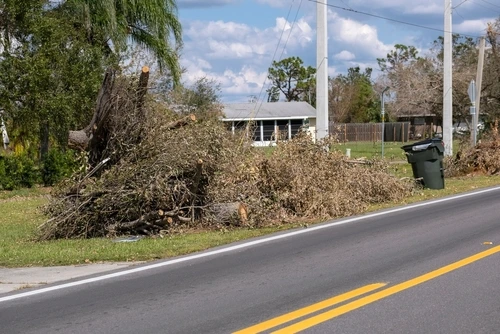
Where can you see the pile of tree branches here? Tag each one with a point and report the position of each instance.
(484, 158)
(154, 171)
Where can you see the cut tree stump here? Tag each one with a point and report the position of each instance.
(235, 213)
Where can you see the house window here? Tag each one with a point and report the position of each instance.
(268, 130)
(296, 124)
(283, 128)
(255, 131)
(239, 126)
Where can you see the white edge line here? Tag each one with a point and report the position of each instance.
(236, 247)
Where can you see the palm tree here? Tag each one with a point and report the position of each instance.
(149, 23)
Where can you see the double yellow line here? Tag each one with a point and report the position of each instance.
(335, 312)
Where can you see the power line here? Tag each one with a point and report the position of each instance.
(486, 7)
(489, 3)
(456, 12)
(282, 51)
(275, 51)
(460, 4)
(291, 29)
(389, 19)
(274, 55)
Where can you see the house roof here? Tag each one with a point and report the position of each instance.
(268, 111)
(417, 115)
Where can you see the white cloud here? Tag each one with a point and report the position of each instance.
(477, 26)
(247, 80)
(358, 36)
(238, 54)
(344, 55)
(224, 40)
(229, 50)
(332, 71)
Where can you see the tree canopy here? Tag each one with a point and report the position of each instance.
(290, 77)
(150, 24)
(352, 97)
(54, 56)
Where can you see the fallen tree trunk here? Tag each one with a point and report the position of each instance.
(95, 136)
(79, 140)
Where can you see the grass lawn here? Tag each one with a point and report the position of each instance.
(20, 216)
(392, 150)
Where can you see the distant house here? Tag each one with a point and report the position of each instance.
(422, 126)
(270, 118)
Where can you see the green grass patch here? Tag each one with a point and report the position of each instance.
(369, 150)
(24, 192)
(21, 216)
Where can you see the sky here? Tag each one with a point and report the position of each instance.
(235, 41)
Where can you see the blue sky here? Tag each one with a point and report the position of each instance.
(235, 41)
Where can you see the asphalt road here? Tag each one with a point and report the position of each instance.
(433, 268)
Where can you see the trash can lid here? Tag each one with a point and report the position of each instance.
(425, 144)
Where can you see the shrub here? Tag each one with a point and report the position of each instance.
(17, 171)
(57, 165)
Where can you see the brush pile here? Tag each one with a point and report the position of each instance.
(160, 172)
(482, 159)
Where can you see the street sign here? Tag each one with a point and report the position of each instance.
(472, 92)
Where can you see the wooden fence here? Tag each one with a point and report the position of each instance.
(393, 131)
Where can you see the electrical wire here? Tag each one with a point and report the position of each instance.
(459, 4)
(275, 52)
(491, 4)
(389, 19)
(281, 55)
(252, 115)
(353, 11)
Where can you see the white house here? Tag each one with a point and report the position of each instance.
(269, 117)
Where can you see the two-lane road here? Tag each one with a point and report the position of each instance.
(428, 268)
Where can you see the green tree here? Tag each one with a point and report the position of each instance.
(15, 18)
(464, 51)
(352, 97)
(202, 97)
(48, 81)
(490, 92)
(464, 55)
(294, 80)
(414, 80)
(400, 56)
(151, 24)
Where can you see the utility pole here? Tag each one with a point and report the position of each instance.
(382, 98)
(447, 82)
(479, 80)
(472, 96)
(322, 71)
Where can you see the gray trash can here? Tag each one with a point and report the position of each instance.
(426, 159)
